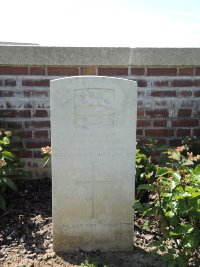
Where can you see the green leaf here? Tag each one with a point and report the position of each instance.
(188, 162)
(6, 141)
(2, 203)
(166, 194)
(156, 243)
(10, 183)
(169, 214)
(197, 169)
(172, 233)
(172, 185)
(138, 206)
(171, 263)
(177, 177)
(189, 241)
(176, 155)
(46, 159)
(2, 186)
(145, 225)
(181, 261)
(195, 194)
(145, 186)
(8, 155)
(161, 171)
(182, 195)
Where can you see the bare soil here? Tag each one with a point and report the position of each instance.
(26, 235)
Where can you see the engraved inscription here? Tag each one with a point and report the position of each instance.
(94, 107)
(94, 225)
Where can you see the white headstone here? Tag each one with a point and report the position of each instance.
(93, 139)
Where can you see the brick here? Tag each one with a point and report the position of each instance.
(182, 83)
(197, 113)
(88, 71)
(184, 93)
(37, 71)
(24, 113)
(39, 93)
(138, 71)
(41, 134)
(184, 112)
(187, 103)
(10, 70)
(37, 154)
(24, 134)
(163, 93)
(186, 71)
(141, 83)
(196, 82)
(23, 153)
(36, 93)
(5, 93)
(197, 71)
(36, 82)
(140, 103)
(37, 124)
(160, 103)
(27, 93)
(157, 113)
(160, 123)
(143, 123)
(182, 132)
(113, 71)
(196, 132)
(161, 83)
(32, 164)
(197, 93)
(141, 93)
(15, 113)
(13, 124)
(185, 123)
(166, 132)
(174, 142)
(40, 113)
(36, 144)
(139, 132)
(62, 71)
(161, 72)
(140, 113)
(10, 82)
(16, 145)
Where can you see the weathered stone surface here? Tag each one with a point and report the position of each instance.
(93, 128)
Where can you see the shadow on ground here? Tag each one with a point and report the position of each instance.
(136, 258)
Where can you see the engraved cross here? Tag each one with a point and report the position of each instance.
(93, 183)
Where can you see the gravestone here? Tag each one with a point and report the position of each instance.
(93, 138)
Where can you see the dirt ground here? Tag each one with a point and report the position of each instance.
(26, 235)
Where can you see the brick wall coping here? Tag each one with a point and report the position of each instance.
(99, 56)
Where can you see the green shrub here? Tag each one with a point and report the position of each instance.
(192, 144)
(86, 263)
(10, 166)
(175, 205)
(145, 168)
(46, 153)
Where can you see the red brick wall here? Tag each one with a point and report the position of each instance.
(168, 101)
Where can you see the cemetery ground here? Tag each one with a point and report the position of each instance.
(26, 234)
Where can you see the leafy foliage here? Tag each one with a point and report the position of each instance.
(145, 169)
(10, 166)
(175, 204)
(46, 153)
(86, 263)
